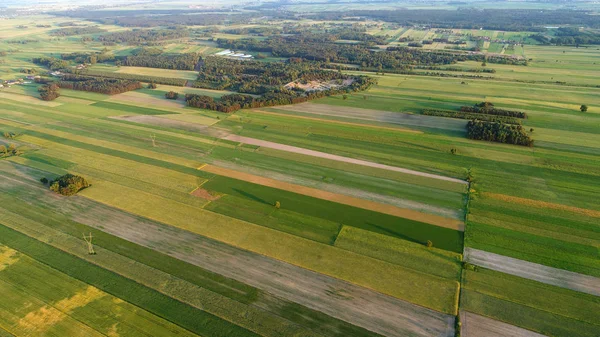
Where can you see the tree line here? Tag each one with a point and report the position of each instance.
(165, 61)
(144, 36)
(108, 86)
(77, 31)
(489, 109)
(466, 115)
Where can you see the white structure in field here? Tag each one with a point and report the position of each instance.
(229, 53)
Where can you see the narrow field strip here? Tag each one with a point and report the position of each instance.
(534, 271)
(339, 198)
(543, 204)
(337, 122)
(474, 325)
(319, 154)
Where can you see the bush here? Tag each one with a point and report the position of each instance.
(68, 184)
(172, 95)
(584, 108)
(151, 85)
(44, 181)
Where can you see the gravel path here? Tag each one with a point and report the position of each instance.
(479, 326)
(533, 271)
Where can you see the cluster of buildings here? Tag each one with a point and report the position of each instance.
(27, 80)
(229, 53)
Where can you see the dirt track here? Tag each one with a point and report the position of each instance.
(339, 198)
(374, 311)
(533, 271)
(479, 326)
(214, 132)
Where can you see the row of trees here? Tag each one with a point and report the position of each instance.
(498, 132)
(466, 115)
(67, 184)
(489, 109)
(101, 85)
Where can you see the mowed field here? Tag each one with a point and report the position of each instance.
(189, 240)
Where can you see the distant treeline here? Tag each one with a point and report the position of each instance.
(498, 132)
(532, 20)
(308, 47)
(108, 86)
(143, 36)
(156, 18)
(570, 36)
(466, 115)
(77, 31)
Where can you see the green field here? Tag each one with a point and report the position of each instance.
(149, 185)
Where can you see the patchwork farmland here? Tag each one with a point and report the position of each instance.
(354, 213)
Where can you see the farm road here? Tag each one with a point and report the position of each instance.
(223, 134)
(371, 310)
(479, 326)
(533, 271)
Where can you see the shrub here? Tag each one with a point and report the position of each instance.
(68, 184)
(44, 181)
(584, 108)
(172, 95)
(429, 243)
(151, 85)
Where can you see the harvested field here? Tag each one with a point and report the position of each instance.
(474, 325)
(139, 99)
(339, 122)
(534, 271)
(360, 306)
(378, 116)
(342, 199)
(27, 99)
(204, 194)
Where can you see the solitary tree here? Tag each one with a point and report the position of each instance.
(583, 108)
(345, 96)
(429, 243)
(277, 204)
(152, 85)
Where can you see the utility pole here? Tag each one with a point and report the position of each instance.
(88, 240)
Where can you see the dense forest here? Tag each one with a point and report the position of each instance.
(164, 61)
(51, 62)
(101, 85)
(135, 77)
(498, 132)
(77, 31)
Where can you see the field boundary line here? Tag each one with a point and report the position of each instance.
(534, 271)
(410, 214)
